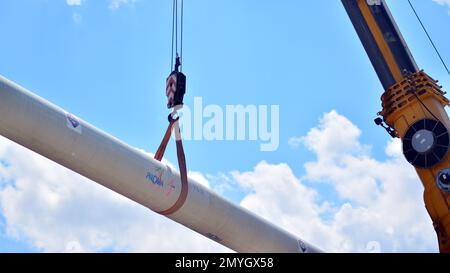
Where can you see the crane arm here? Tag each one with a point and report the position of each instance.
(412, 107)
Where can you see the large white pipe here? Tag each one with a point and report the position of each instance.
(50, 131)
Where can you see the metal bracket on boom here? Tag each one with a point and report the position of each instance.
(391, 131)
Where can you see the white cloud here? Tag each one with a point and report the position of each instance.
(116, 4)
(200, 178)
(74, 2)
(112, 4)
(76, 17)
(57, 210)
(334, 136)
(378, 206)
(443, 3)
(280, 197)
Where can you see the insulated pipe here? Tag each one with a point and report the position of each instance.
(56, 134)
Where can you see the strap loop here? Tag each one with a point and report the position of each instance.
(174, 124)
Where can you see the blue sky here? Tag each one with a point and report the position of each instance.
(107, 64)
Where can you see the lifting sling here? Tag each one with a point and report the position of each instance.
(175, 90)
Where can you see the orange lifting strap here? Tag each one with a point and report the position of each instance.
(174, 125)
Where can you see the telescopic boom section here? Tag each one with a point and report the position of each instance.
(382, 40)
(413, 107)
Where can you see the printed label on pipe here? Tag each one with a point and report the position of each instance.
(73, 123)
